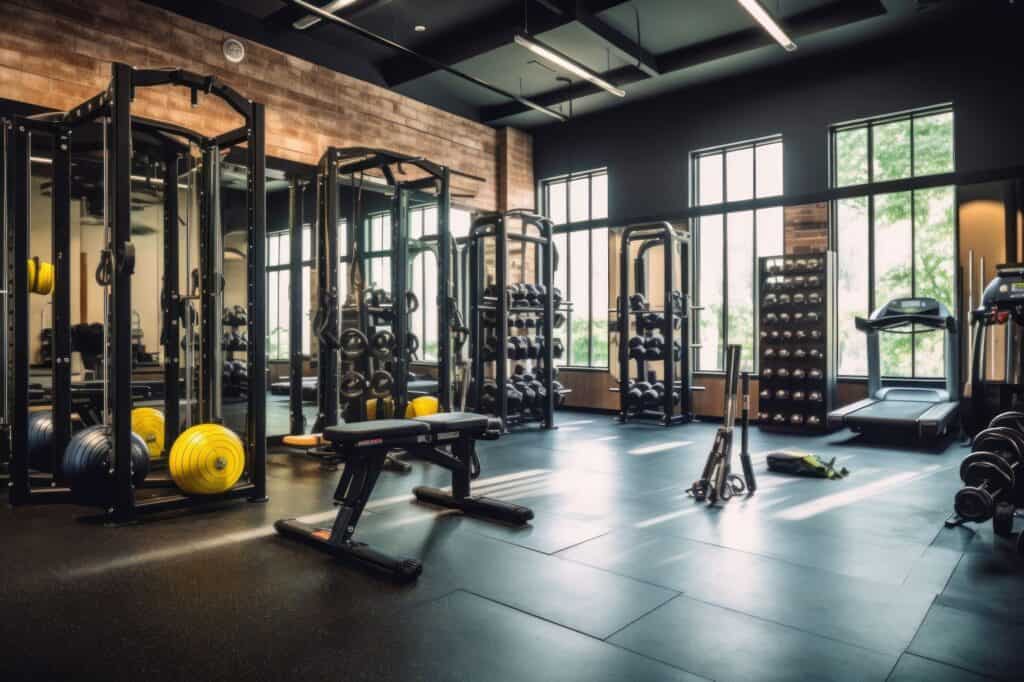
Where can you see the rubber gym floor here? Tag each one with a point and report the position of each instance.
(619, 577)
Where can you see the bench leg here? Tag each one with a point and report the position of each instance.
(353, 491)
(461, 497)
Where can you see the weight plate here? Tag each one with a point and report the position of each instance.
(973, 504)
(990, 458)
(985, 473)
(207, 459)
(148, 423)
(381, 384)
(353, 344)
(1001, 439)
(1013, 420)
(382, 344)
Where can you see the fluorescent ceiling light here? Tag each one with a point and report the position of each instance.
(566, 63)
(332, 7)
(766, 20)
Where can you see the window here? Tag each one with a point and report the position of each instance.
(424, 275)
(278, 291)
(909, 145)
(730, 241)
(578, 204)
(894, 243)
(378, 247)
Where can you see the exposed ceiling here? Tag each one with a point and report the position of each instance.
(646, 47)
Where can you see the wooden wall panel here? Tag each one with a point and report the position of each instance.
(57, 53)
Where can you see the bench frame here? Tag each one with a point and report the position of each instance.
(364, 460)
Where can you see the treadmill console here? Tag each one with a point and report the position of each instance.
(1006, 290)
(911, 306)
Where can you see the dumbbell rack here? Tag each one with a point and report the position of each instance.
(490, 315)
(234, 389)
(797, 310)
(678, 372)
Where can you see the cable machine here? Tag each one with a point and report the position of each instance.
(365, 342)
(661, 319)
(107, 464)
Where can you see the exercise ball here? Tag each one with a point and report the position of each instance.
(40, 441)
(87, 464)
(148, 424)
(423, 406)
(207, 459)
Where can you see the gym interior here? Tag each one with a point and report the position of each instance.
(500, 340)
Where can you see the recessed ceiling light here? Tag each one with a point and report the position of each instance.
(419, 28)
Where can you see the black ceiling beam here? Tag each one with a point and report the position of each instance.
(627, 48)
(833, 15)
(284, 18)
(484, 35)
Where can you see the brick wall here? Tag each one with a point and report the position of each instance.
(57, 53)
(806, 228)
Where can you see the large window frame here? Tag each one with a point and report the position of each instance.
(587, 230)
(874, 190)
(278, 242)
(722, 207)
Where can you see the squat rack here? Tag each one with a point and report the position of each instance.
(113, 108)
(677, 372)
(374, 170)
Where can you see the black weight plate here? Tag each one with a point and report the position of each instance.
(381, 344)
(1012, 419)
(973, 504)
(1001, 439)
(352, 385)
(980, 473)
(353, 343)
(988, 457)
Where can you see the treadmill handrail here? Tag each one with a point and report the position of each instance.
(895, 321)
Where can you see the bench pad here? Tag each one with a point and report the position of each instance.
(380, 428)
(463, 422)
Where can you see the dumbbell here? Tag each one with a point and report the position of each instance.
(557, 349)
(763, 416)
(513, 399)
(636, 347)
(516, 348)
(797, 317)
(814, 420)
(799, 395)
(634, 395)
(228, 317)
(783, 373)
(782, 394)
(815, 397)
(767, 373)
(784, 318)
(784, 353)
(796, 419)
(650, 321)
(540, 391)
(785, 299)
(240, 315)
(815, 374)
(799, 281)
(990, 476)
(654, 347)
(651, 398)
(813, 298)
(779, 418)
(799, 374)
(637, 302)
(765, 394)
(771, 318)
(533, 346)
(557, 388)
(799, 354)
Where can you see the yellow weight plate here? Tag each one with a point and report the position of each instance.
(423, 406)
(148, 423)
(207, 459)
(387, 410)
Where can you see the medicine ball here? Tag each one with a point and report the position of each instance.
(87, 464)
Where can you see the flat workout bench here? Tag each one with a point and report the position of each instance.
(447, 439)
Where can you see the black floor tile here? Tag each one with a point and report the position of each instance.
(466, 637)
(725, 645)
(972, 641)
(916, 669)
(860, 612)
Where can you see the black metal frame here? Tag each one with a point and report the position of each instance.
(494, 226)
(335, 164)
(296, 222)
(113, 105)
(674, 243)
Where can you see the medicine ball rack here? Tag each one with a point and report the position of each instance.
(362, 169)
(672, 321)
(111, 110)
(490, 276)
(798, 363)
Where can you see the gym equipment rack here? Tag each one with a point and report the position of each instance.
(488, 246)
(377, 170)
(677, 371)
(113, 109)
(797, 358)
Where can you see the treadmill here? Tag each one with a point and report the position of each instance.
(899, 413)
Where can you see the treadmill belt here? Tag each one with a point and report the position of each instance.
(893, 412)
